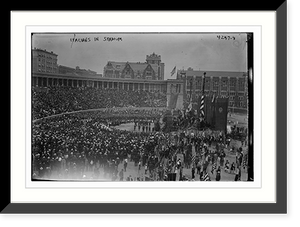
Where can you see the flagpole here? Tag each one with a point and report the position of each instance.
(203, 87)
(203, 84)
(191, 83)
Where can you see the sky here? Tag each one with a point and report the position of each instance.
(201, 51)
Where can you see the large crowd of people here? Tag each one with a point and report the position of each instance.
(69, 147)
(86, 143)
(56, 100)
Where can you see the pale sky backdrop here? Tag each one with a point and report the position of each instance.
(197, 50)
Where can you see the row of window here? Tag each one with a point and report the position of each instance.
(237, 104)
(232, 97)
(47, 66)
(128, 75)
(215, 88)
(239, 97)
(76, 83)
(49, 62)
(47, 56)
(207, 91)
(215, 83)
(47, 71)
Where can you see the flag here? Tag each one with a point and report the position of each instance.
(205, 177)
(173, 71)
(201, 107)
(173, 101)
(202, 98)
(220, 112)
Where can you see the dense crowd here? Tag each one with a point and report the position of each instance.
(70, 146)
(56, 100)
(73, 145)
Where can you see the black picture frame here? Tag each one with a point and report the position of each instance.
(279, 207)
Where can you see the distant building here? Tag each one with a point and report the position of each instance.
(84, 71)
(68, 70)
(152, 69)
(65, 69)
(44, 61)
(222, 84)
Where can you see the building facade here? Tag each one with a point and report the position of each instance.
(178, 91)
(152, 69)
(147, 76)
(44, 61)
(74, 80)
(223, 84)
(68, 70)
(65, 69)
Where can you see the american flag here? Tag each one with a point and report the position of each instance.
(173, 71)
(205, 177)
(201, 108)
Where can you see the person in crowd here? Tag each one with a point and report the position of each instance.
(121, 175)
(232, 168)
(193, 172)
(227, 166)
(146, 168)
(237, 174)
(125, 164)
(222, 157)
(218, 174)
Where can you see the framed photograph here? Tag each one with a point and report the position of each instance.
(143, 125)
(185, 115)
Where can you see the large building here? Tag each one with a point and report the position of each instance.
(148, 76)
(152, 69)
(234, 87)
(44, 61)
(221, 84)
(75, 80)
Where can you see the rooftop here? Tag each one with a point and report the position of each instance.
(200, 73)
(136, 66)
(44, 50)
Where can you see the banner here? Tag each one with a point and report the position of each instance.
(221, 110)
(173, 101)
(208, 110)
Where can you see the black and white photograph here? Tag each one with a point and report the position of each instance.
(142, 106)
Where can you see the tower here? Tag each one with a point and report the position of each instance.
(155, 59)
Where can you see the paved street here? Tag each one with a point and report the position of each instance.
(133, 171)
